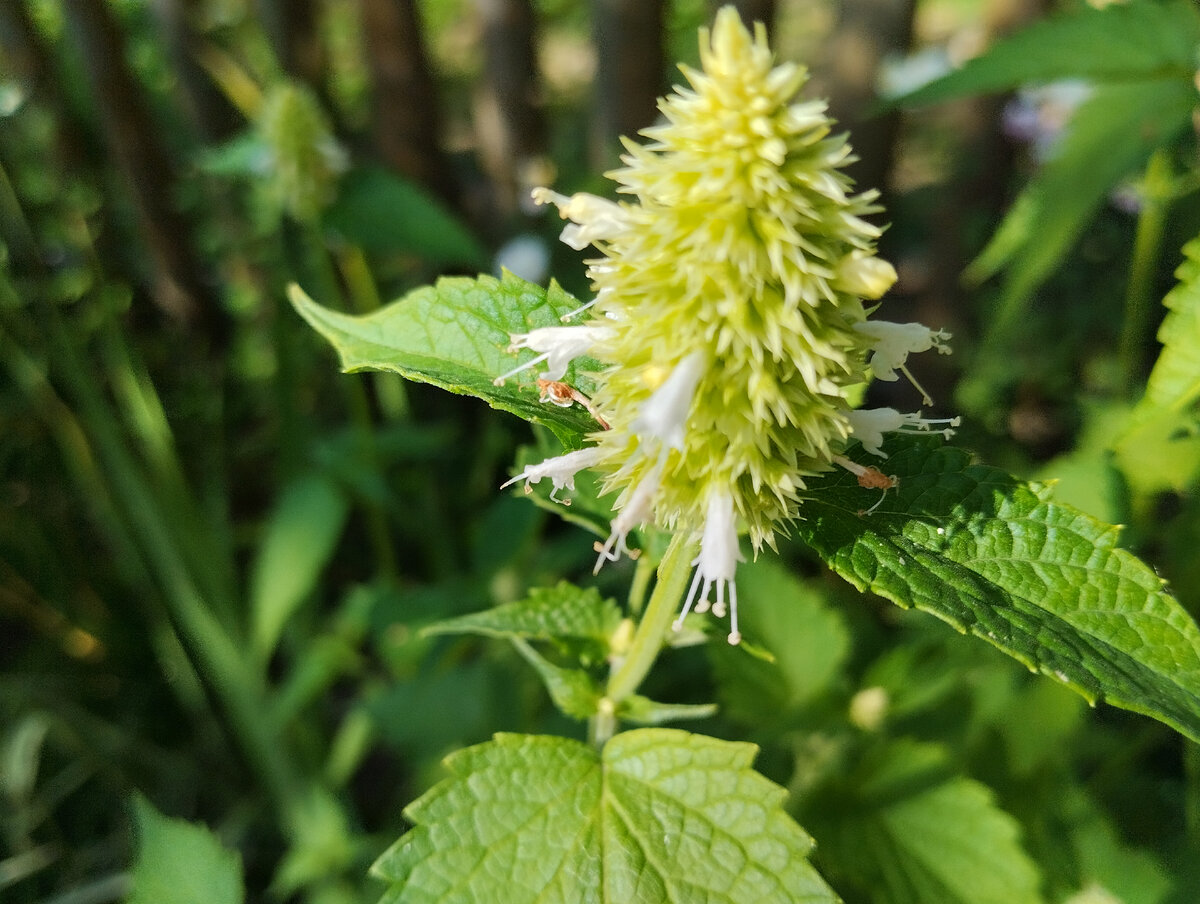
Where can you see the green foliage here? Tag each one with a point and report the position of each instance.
(1040, 581)
(1111, 135)
(181, 863)
(300, 538)
(238, 585)
(548, 613)
(1160, 447)
(658, 815)
(381, 212)
(900, 829)
(1141, 39)
(455, 335)
(808, 643)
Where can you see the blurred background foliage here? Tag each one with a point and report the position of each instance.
(216, 555)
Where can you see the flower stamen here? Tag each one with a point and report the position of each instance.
(869, 424)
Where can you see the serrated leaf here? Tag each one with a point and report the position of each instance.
(1143, 39)
(1161, 447)
(1040, 581)
(300, 537)
(548, 613)
(902, 830)
(1111, 135)
(455, 335)
(658, 815)
(181, 863)
(806, 644)
(381, 211)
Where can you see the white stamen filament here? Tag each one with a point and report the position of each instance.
(716, 564)
(869, 424)
(636, 511)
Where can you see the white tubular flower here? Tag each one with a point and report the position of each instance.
(869, 424)
(865, 275)
(633, 512)
(716, 564)
(593, 219)
(559, 346)
(561, 470)
(892, 343)
(663, 416)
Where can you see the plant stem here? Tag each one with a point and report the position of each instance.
(647, 641)
(1156, 188)
(379, 532)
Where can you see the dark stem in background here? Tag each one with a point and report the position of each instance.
(293, 27)
(509, 117)
(867, 32)
(215, 118)
(751, 11)
(179, 286)
(971, 201)
(405, 102)
(628, 35)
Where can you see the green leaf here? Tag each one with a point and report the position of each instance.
(658, 815)
(1143, 39)
(181, 863)
(902, 830)
(1111, 135)
(548, 613)
(573, 691)
(455, 335)
(643, 711)
(806, 641)
(1161, 447)
(382, 212)
(300, 538)
(1040, 581)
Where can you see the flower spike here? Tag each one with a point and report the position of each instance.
(728, 316)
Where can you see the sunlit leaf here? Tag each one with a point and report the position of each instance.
(1041, 581)
(657, 815)
(562, 611)
(455, 335)
(1161, 448)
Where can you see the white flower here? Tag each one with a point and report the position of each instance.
(559, 345)
(561, 470)
(593, 219)
(716, 564)
(869, 424)
(635, 510)
(663, 416)
(892, 343)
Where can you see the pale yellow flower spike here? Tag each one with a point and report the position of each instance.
(729, 312)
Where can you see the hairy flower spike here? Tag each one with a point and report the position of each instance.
(729, 314)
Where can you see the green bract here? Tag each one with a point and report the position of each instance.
(729, 310)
